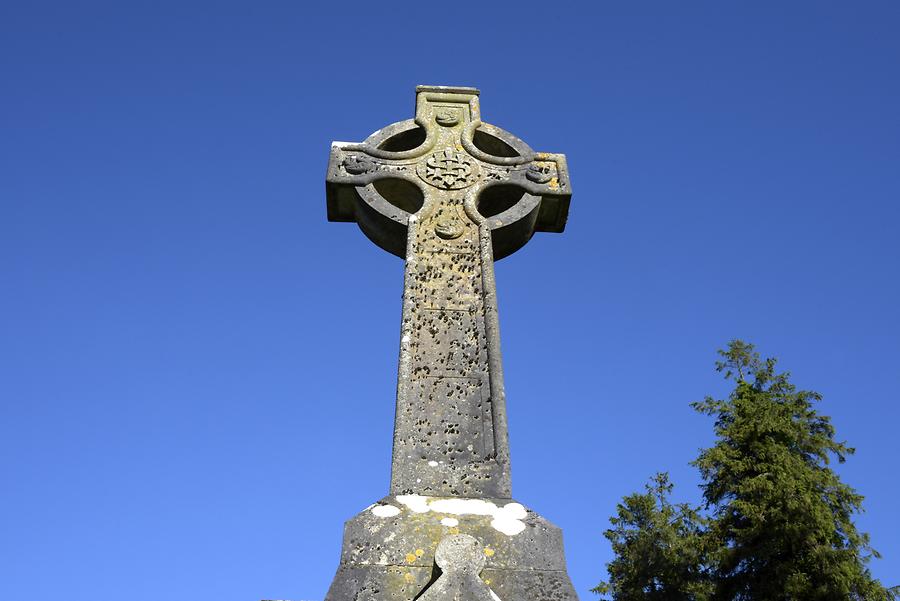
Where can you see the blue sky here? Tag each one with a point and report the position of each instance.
(197, 371)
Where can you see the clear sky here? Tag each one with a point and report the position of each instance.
(197, 370)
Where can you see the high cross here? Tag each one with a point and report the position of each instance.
(450, 194)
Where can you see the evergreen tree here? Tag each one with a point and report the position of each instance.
(782, 516)
(659, 549)
(778, 525)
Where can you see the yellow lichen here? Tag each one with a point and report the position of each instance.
(410, 558)
(488, 551)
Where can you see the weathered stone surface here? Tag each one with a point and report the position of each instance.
(389, 550)
(450, 194)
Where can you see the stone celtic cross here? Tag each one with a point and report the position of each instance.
(451, 195)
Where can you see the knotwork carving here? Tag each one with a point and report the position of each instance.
(448, 229)
(355, 165)
(449, 170)
(541, 173)
(446, 117)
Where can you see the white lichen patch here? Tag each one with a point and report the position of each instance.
(433, 463)
(506, 519)
(450, 522)
(385, 511)
(463, 506)
(415, 503)
(509, 519)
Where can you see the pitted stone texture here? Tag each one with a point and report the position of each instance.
(450, 194)
(446, 429)
(394, 558)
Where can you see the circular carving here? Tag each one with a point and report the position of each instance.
(446, 118)
(448, 230)
(355, 165)
(539, 173)
(449, 170)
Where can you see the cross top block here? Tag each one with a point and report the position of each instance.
(446, 157)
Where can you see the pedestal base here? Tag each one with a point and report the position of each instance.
(388, 550)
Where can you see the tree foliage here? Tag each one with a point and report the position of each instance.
(659, 548)
(777, 523)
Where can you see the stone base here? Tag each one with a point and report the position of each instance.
(388, 551)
